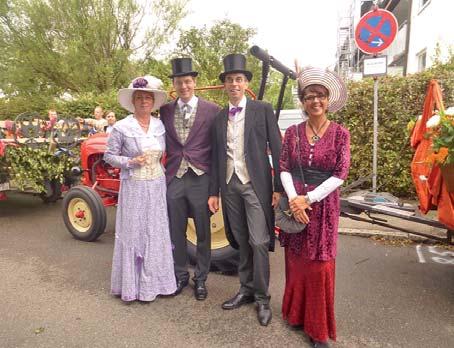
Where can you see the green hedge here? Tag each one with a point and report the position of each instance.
(82, 106)
(400, 101)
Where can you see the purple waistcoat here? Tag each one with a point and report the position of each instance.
(197, 148)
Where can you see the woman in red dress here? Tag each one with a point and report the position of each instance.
(322, 148)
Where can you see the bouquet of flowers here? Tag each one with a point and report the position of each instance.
(441, 130)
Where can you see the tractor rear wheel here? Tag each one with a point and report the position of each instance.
(84, 213)
(53, 191)
(223, 257)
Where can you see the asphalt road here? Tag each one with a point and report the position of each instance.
(55, 293)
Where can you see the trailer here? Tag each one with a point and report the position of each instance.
(29, 135)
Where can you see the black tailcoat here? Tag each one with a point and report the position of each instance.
(261, 133)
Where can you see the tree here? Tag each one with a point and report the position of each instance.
(207, 47)
(54, 46)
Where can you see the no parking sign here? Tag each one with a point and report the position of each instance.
(375, 31)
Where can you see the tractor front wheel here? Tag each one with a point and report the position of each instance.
(84, 213)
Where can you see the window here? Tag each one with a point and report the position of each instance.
(422, 60)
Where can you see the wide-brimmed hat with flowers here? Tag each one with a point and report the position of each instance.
(145, 83)
(337, 90)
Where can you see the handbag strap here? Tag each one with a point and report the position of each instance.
(299, 155)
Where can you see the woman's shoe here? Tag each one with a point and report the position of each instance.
(317, 344)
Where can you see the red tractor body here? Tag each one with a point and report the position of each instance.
(96, 173)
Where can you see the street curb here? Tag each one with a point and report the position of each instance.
(381, 233)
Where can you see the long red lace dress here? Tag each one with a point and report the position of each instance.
(310, 255)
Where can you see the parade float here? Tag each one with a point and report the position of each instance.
(36, 156)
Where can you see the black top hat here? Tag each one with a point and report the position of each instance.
(182, 67)
(235, 63)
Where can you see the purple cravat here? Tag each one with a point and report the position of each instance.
(233, 111)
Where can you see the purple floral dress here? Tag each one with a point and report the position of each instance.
(142, 266)
(331, 153)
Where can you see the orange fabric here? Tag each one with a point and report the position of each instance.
(431, 192)
(420, 169)
(442, 198)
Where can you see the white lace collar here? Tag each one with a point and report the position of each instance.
(130, 127)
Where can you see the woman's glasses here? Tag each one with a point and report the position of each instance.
(311, 97)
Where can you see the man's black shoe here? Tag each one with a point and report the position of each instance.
(181, 284)
(264, 313)
(237, 301)
(200, 290)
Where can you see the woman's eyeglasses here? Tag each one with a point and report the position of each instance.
(311, 97)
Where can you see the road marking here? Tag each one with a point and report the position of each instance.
(442, 257)
(420, 255)
(448, 258)
(434, 250)
(442, 260)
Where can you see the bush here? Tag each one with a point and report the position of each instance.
(81, 106)
(400, 100)
(84, 104)
(9, 109)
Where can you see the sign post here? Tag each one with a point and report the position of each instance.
(375, 150)
(374, 33)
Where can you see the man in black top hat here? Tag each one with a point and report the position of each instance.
(188, 122)
(242, 134)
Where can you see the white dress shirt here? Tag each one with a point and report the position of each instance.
(236, 162)
(192, 103)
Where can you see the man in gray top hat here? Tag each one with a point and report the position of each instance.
(188, 122)
(242, 134)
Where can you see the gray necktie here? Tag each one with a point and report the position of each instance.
(185, 110)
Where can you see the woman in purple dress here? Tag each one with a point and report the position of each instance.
(321, 147)
(142, 266)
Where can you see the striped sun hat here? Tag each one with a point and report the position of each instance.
(336, 87)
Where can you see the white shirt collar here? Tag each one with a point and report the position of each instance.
(241, 104)
(192, 102)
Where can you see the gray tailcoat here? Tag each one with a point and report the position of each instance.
(260, 131)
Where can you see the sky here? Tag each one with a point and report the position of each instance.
(287, 29)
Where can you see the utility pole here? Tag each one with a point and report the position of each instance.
(407, 38)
